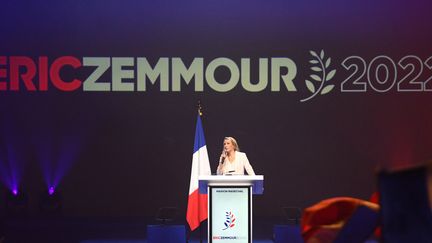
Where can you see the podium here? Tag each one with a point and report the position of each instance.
(230, 206)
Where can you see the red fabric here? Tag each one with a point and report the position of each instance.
(322, 221)
(375, 199)
(196, 209)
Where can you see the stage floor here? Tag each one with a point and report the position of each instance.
(101, 230)
(144, 241)
(106, 230)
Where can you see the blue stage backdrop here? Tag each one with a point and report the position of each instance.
(98, 99)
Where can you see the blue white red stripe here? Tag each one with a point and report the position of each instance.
(197, 203)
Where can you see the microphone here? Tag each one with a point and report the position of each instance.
(223, 156)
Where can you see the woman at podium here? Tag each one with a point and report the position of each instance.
(232, 161)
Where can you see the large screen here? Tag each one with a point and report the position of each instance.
(98, 99)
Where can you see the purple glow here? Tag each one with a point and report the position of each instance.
(56, 156)
(51, 190)
(11, 166)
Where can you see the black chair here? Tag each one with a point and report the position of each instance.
(405, 207)
(166, 214)
(168, 231)
(292, 215)
(290, 230)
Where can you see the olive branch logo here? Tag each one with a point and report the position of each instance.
(229, 222)
(320, 66)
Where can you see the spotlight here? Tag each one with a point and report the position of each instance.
(51, 202)
(16, 203)
(51, 190)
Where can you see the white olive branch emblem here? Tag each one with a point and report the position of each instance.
(321, 76)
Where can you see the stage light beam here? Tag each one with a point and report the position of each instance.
(51, 190)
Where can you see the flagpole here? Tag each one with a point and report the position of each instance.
(197, 203)
(200, 229)
(200, 114)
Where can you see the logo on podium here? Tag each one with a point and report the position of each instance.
(230, 219)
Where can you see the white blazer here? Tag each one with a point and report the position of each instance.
(237, 167)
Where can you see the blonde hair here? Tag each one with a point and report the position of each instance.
(234, 143)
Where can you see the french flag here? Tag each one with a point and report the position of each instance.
(197, 203)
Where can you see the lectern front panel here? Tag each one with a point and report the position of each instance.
(230, 214)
